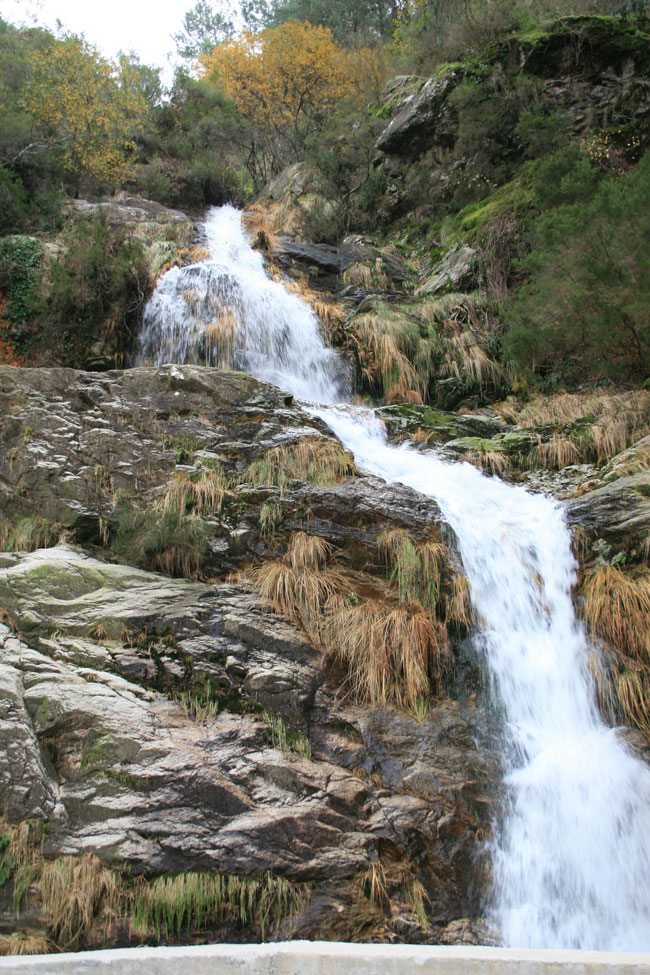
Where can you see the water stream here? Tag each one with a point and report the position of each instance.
(571, 853)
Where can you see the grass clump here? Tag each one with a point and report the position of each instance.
(495, 461)
(270, 516)
(283, 738)
(202, 701)
(632, 692)
(316, 460)
(395, 355)
(193, 901)
(74, 890)
(373, 884)
(403, 350)
(20, 847)
(202, 495)
(299, 585)
(418, 899)
(556, 453)
(393, 654)
(593, 426)
(617, 606)
(30, 534)
(171, 536)
(25, 943)
(418, 568)
(167, 542)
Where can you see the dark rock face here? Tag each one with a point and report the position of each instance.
(429, 111)
(325, 264)
(136, 710)
(75, 444)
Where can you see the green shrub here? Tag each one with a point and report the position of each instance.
(98, 285)
(585, 311)
(20, 272)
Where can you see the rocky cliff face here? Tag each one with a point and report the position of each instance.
(161, 726)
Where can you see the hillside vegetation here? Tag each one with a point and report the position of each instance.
(496, 153)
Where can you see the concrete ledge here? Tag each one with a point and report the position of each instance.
(329, 958)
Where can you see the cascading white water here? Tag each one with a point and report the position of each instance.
(571, 855)
(227, 312)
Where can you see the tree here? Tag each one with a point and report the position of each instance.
(286, 81)
(203, 28)
(89, 107)
(349, 20)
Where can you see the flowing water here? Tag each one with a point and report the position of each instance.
(571, 854)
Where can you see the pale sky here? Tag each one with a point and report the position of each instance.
(143, 26)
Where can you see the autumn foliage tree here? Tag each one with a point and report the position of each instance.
(285, 81)
(90, 108)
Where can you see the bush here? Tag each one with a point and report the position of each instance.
(98, 285)
(20, 263)
(586, 308)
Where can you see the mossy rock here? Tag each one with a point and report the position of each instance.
(403, 419)
(477, 445)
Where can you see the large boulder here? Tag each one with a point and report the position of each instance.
(618, 513)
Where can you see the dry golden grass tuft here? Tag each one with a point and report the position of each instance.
(30, 534)
(402, 348)
(26, 943)
(373, 884)
(556, 453)
(166, 906)
(258, 223)
(393, 356)
(393, 654)
(203, 494)
(418, 567)
(359, 275)
(317, 460)
(184, 256)
(494, 461)
(458, 603)
(617, 606)
(299, 585)
(329, 312)
(400, 394)
(419, 899)
(422, 435)
(182, 561)
(632, 689)
(74, 890)
(609, 421)
(465, 357)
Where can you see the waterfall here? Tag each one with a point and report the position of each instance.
(571, 852)
(227, 312)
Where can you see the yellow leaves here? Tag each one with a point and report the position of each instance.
(287, 77)
(90, 105)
